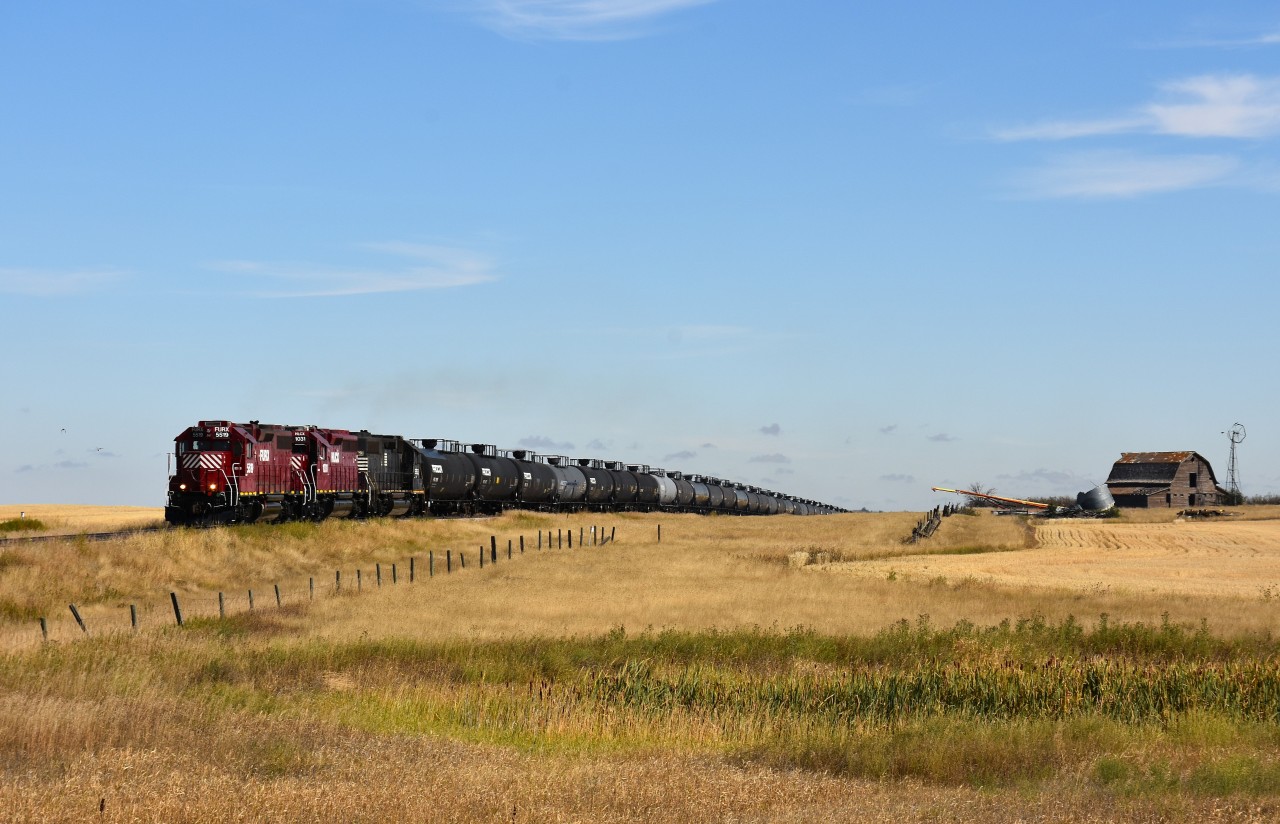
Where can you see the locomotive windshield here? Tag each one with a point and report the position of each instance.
(205, 446)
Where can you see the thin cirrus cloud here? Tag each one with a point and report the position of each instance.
(1217, 106)
(422, 267)
(1122, 174)
(776, 457)
(577, 19)
(1242, 106)
(40, 283)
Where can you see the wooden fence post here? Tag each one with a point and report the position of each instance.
(493, 548)
(311, 588)
(393, 574)
(482, 557)
(222, 606)
(76, 613)
(571, 539)
(44, 628)
(508, 549)
(177, 610)
(521, 544)
(431, 564)
(448, 561)
(133, 616)
(659, 533)
(560, 538)
(337, 580)
(278, 595)
(411, 565)
(359, 580)
(613, 534)
(377, 568)
(539, 538)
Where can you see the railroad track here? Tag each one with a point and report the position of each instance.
(88, 536)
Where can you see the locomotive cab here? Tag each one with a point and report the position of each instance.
(203, 488)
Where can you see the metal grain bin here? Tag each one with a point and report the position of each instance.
(1096, 500)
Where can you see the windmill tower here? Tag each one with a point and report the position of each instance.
(1236, 434)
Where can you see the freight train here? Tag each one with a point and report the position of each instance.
(243, 473)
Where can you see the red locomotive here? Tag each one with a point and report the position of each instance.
(229, 472)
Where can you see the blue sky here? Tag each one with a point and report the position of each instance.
(844, 250)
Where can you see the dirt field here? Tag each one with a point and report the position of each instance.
(1214, 558)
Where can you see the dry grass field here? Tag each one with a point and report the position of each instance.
(72, 520)
(743, 669)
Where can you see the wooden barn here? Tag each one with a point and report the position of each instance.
(1160, 479)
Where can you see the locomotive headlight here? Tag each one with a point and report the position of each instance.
(183, 487)
(212, 487)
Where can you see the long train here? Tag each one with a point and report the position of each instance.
(242, 473)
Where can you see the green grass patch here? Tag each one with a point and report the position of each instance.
(22, 525)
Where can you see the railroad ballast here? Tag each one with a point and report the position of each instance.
(242, 473)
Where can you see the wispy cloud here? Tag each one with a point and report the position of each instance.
(888, 430)
(597, 444)
(895, 477)
(1267, 39)
(42, 283)
(1210, 105)
(776, 457)
(771, 429)
(1120, 174)
(577, 19)
(943, 437)
(682, 455)
(425, 267)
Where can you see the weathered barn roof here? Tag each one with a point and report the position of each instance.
(1153, 457)
(1157, 469)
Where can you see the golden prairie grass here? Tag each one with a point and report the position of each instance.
(858, 576)
(67, 519)
(412, 701)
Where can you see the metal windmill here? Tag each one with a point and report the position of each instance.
(1236, 433)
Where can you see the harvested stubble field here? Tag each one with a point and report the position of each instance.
(745, 669)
